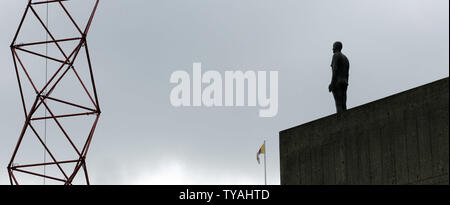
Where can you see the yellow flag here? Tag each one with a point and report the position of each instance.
(262, 150)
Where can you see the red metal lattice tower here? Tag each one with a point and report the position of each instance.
(43, 95)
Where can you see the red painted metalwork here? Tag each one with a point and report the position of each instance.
(43, 95)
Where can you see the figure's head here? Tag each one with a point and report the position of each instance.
(337, 46)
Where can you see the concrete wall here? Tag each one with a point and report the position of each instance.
(400, 139)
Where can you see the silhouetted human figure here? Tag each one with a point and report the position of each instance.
(339, 80)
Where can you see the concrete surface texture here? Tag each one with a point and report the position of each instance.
(400, 139)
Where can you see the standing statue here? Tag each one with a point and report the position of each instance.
(339, 80)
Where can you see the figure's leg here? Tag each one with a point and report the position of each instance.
(335, 99)
(338, 100)
(344, 97)
(340, 96)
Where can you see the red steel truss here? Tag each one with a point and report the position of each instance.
(44, 95)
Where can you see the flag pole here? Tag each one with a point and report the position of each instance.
(265, 170)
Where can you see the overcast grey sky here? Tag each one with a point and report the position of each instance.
(392, 45)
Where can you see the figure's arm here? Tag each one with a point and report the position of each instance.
(333, 76)
(333, 81)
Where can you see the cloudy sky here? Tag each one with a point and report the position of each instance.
(393, 45)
